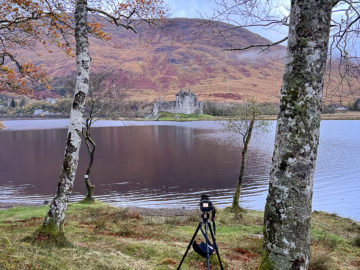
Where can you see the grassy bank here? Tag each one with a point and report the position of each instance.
(350, 115)
(165, 116)
(104, 237)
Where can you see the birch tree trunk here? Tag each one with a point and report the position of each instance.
(246, 140)
(289, 202)
(91, 147)
(54, 220)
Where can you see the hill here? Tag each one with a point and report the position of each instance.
(180, 53)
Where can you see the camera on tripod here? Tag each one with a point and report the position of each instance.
(205, 249)
(205, 204)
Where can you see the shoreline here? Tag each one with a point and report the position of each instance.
(149, 212)
(156, 212)
(12, 124)
(152, 212)
(347, 115)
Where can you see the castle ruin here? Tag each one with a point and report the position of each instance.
(185, 103)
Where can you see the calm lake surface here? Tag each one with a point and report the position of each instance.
(168, 164)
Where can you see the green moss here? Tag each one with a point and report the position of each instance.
(265, 261)
(303, 42)
(48, 236)
(87, 201)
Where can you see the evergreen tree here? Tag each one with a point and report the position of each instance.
(12, 103)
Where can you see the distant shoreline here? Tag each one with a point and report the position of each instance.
(12, 124)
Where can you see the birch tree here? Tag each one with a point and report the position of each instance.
(105, 89)
(243, 122)
(121, 13)
(54, 219)
(289, 201)
(288, 207)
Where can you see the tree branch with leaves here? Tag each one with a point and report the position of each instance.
(26, 24)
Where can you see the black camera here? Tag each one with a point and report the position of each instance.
(205, 204)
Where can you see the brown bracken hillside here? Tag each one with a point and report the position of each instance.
(180, 53)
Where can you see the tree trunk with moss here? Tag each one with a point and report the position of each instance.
(54, 220)
(289, 201)
(246, 141)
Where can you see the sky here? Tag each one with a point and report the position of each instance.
(206, 8)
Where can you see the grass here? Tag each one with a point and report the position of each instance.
(166, 116)
(105, 237)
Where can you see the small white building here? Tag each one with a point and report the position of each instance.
(341, 109)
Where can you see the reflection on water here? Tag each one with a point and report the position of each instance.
(170, 166)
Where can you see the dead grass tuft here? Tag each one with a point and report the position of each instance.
(168, 261)
(321, 261)
(252, 245)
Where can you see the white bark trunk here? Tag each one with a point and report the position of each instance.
(289, 202)
(56, 214)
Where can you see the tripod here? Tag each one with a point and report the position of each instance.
(205, 252)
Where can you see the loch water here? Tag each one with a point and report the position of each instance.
(170, 164)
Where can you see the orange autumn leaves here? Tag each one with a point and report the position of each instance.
(28, 23)
(24, 23)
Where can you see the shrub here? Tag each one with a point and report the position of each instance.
(63, 105)
(46, 106)
(357, 241)
(356, 105)
(227, 109)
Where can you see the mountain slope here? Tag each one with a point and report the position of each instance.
(181, 53)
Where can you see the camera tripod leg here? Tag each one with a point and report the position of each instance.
(216, 248)
(207, 246)
(191, 241)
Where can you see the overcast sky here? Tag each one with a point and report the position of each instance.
(205, 9)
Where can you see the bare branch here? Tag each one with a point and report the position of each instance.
(267, 46)
(13, 59)
(115, 20)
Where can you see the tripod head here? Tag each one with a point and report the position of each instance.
(207, 208)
